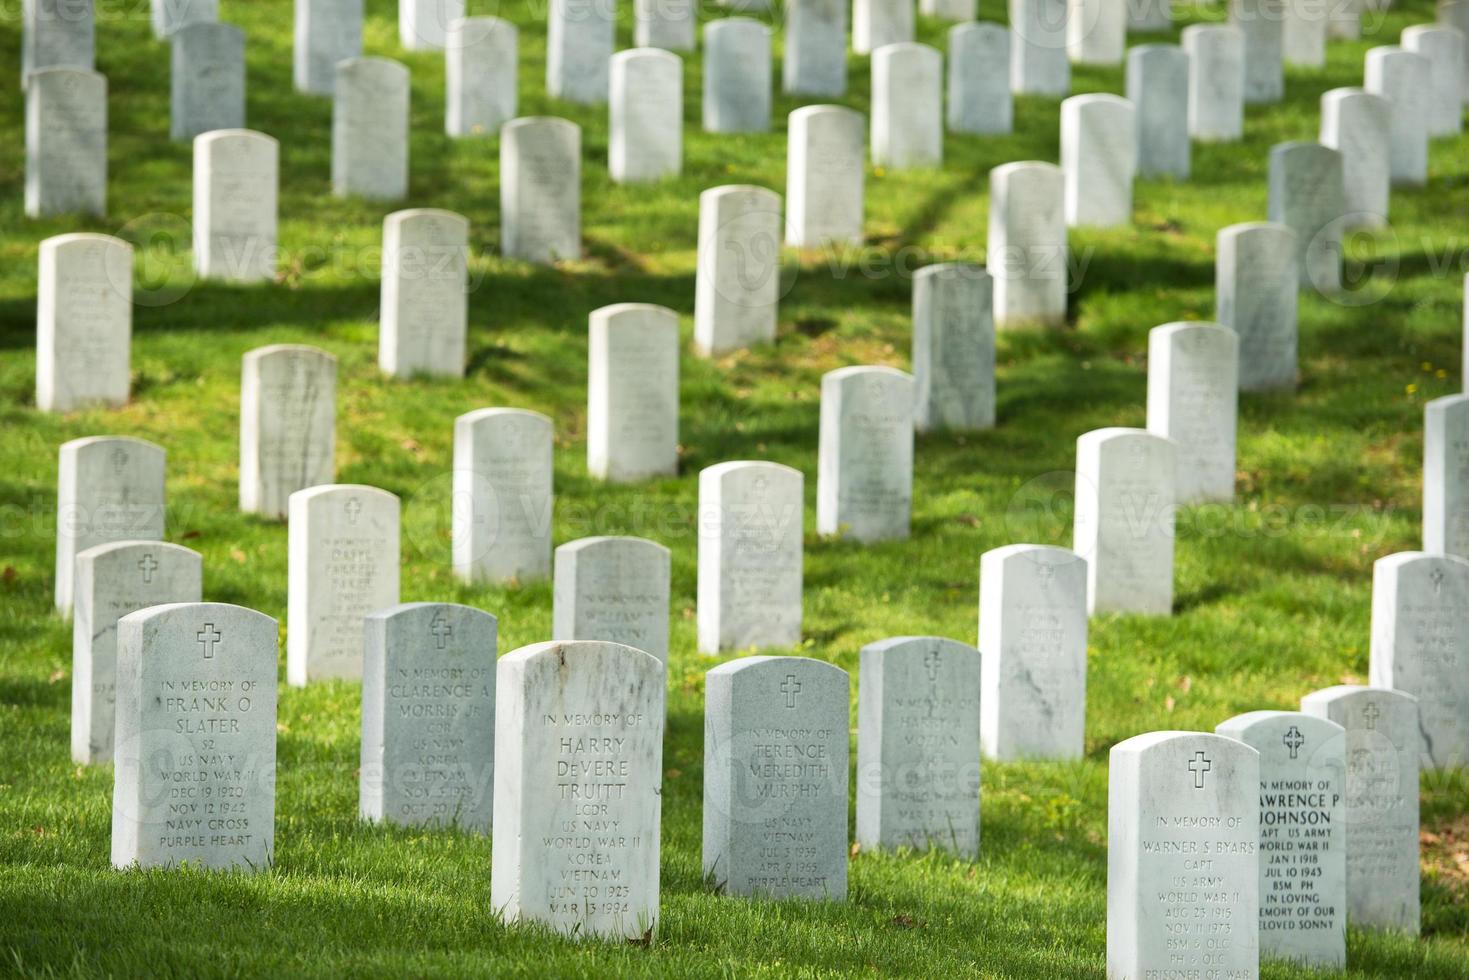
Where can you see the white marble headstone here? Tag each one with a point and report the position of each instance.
(1455, 13)
(775, 778)
(1096, 31)
(1183, 857)
(736, 76)
(1032, 634)
(815, 48)
(540, 190)
(428, 717)
(953, 348)
(1123, 524)
(1256, 292)
(170, 15)
(1026, 256)
(1446, 475)
(578, 789)
(1216, 81)
(1383, 877)
(1263, 24)
(1405, 80)
(207, 81)
(1308, 195)
(751, 518)
(288, 425)
(825, 174)
(370, 129)
(668, 24)
(1193, 399)
(65, 143)
(1447, 52)
(481, 62)
(737, 283)
(1420, 645)
(423, 25)
(876, 23)
(646, 115)
(425, 294)
(195, 739)
(56, 34)
(343, 544)
(1038, 62)
(108, 488)
(960, 10)
(84, 321)
(1157, 86)
(1303, 30)
(502, 496)
(918, 771)
(613, 588)
(1358, 124)
(1303, 841)
(327, 32)
(236, 189)
(979, 79)
(1099, 153)
(113, 580)
(864, 485)
(579, 46)
(907, 106)
(632, 392)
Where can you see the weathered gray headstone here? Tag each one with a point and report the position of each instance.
(666, 24)
(425, 293)
(1032, 632)
(826, 151)
(1303, 30)
(736, 76)
(113, 580)
(1445, 49)
(540, 189)
(1123, 524)
(1038, 62)
(1096, 31)
(343, 548)
(108, 488)
(1183, 842)
(1383, 876)
(918, 770)
(1446, 475)
(751, 516)
(1026, 256)
(195, 745)
(578, 50)
(1308, 195)
(979, 79)
(481, 63)
(1303, 840)
(953, 348)
(877, 23)
(170, 15)
(236, 186)
(815, 55)
(428, 716)
(1157, 86)
(646, 115)
(1256, 293)
(288, 425)
(207, 81)
(1193, 399)
(612, 588)
(84, 321)
(327, 32)
(1358, 124)
(66, 143)
(1216, 81)
(578, 788)
(907, 106)
(370, 129)
(423, 25)
(632, 392)
(1420, 645)
(775, 778)
(864, 484)
(1404, 79)
(737, 284)
(502, 496)
(56, 34)
(1099, 149)
(1263, 24)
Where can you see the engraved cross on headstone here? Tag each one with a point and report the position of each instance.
(208, 637)
(119, 458)
(354, 510)
(1372, 712)
(1293, 740)
(1199, 765)
(790, 687)
(1437, 579)
(148, 565)
(1045, 571)
(931, 664)
(441, 629)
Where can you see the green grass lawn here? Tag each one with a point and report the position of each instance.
(1273, 594)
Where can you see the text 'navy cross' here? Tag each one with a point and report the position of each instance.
(208, 637)
(1293, 740)
(790, 687)
(1199, 765)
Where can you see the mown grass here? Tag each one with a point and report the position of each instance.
(1272, 593)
